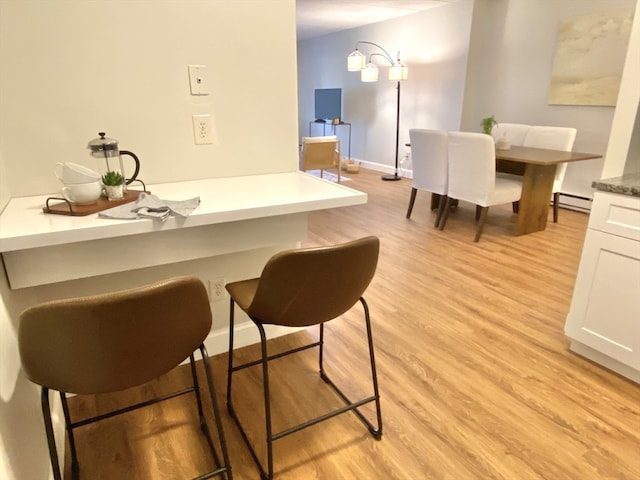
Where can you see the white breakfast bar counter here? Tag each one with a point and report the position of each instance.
(235, 214)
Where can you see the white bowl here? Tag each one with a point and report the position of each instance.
(82, 193)
(71, 173)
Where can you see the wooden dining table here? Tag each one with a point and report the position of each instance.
(537, 166)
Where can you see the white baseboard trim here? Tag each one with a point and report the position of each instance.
(376, 167)
(579, 204)
(568, 201)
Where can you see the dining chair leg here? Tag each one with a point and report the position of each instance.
(556, 206)
(412, 200)
(478, 210)
(441, 206)
(482, 219)
(445, 214)
(515, 206)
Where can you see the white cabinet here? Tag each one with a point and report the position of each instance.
(604, 318)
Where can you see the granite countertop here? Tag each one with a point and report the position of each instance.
(627, 184)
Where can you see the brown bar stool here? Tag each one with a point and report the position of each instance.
(299, 288)
(107, 343)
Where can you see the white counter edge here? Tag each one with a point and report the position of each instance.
(23, 225)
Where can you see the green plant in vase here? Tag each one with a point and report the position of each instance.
(114, 185)
(487, 124)
(112, 179)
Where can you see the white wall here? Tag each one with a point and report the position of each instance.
(511, 59)
(623, 151)
(433, 44)
(632, 164)
(72, 68)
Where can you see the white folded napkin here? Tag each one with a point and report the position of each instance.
(150, 206)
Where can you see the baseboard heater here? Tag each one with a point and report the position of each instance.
(577, 203)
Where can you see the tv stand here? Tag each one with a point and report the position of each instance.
(333, 126)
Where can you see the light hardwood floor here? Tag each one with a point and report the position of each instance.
(476, 378)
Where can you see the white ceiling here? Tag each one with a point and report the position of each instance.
(322, 17)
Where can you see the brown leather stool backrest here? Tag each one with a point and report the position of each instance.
(111, 342)
(308, 286)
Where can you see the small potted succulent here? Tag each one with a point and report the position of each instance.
(114, 185)
(487, 124)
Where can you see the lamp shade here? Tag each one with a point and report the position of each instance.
(355, 61)
(369, 73)
(399, 71)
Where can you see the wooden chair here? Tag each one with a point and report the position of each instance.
(107, 343)
(321, 153)
(300, 288)
(472, 176)
(555, 138)
(429, 165)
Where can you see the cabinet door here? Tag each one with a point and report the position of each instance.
(605, 311)
(616, 214)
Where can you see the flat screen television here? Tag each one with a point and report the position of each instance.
(328, 103)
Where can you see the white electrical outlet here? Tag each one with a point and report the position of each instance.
(203, 129)
(216, 289)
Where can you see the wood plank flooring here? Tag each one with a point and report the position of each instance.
(476, 378)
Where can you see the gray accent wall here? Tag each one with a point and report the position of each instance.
(434, 43)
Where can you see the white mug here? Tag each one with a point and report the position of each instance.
(72, 173)
(82, 193)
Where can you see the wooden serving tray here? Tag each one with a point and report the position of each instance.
(67, 208)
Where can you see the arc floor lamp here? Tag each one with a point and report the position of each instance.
(369, 73)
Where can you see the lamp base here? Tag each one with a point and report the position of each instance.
(392, 177)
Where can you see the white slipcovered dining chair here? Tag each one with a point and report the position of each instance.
(556, 138)
(429, 165)
(514, 133)
(321, 153)
(472, 176)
